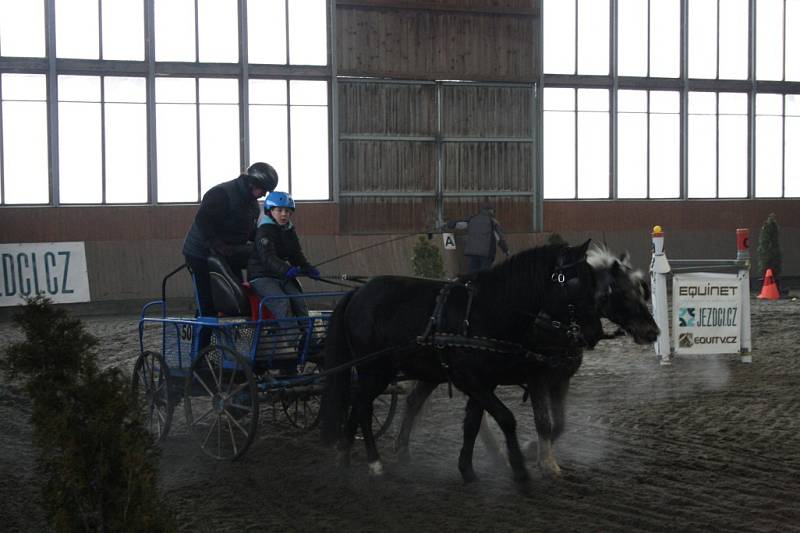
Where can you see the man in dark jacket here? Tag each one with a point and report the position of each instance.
(225, 225)
(484, 234)
(277, 258)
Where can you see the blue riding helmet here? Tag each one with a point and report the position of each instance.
(278, 199)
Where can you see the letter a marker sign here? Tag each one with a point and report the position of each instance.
(449, 241)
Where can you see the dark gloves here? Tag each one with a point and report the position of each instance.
(311, 272)
(292, 272)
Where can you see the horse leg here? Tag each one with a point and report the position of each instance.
(346, 440)
(540, 401)
(489, 442)
(472, 424)
(414, 402)
(558, 402)
(368, 390)
(505, 419)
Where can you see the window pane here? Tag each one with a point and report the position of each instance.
(79, 88)
(21, 28)
(310, 153)
(664, 155)
(79, 155)
(593, 43)
(267, 92)
(733, 28)
(217, 22)
(558, 99)
(793, 40)
(769, 39)
(123, 30)
(702, 145)
(25, 165)
(559, 143)
(219, 132)
(632, 155)
(308, 33)
(559, 36)
(733, 145)
(593, 181)
(665, 102)
(309, 92)
(174, 29)
(664, 38)
(176, 140)
(632, 38)
(266, 31)
(77, 33)
(269, 140)
(703, 39)
(769, 145)
(125, 140)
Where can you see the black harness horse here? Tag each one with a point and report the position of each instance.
(622, 297)
(386, 326)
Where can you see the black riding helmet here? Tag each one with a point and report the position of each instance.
(263, 175)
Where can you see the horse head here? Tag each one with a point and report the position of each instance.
(622, 294)
(573, 296)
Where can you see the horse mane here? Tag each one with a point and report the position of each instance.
(601, 258)
(521, 274)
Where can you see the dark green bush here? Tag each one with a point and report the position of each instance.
(769, 249)
(98, 463)
(426, 260)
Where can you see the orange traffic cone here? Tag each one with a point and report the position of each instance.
(770, 290)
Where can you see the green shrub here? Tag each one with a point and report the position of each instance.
(769, 249)
(99, 464)
(426, 260)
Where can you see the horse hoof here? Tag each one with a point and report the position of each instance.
(468, 475)
(550, 470)
(521, 476)
(376, 469)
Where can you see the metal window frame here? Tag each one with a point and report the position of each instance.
(683, 84)
(150, 69)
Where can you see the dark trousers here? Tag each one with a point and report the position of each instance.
(478, 262)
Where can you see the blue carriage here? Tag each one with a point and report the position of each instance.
(224, 368)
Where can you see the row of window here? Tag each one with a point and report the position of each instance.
(278, 31)
(103, 137)
(577, 135)
(577, 36)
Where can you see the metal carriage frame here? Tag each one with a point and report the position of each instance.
(246, 362)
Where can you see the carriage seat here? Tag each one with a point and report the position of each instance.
(229, 295)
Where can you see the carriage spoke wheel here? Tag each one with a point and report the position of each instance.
(302, 405)
(150, 387)
(221, 402)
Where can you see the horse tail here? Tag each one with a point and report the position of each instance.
(336, 394)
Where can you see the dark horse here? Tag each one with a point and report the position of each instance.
(552, 285)
(622, 297)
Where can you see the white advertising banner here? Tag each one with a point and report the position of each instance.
(706, 313)
(56, 270)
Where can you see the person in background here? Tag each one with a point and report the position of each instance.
(225, 225)
(484, 234)
(277, 258)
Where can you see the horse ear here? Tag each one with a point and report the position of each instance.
(585, 246)
(625, 258)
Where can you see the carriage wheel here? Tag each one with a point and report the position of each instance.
(221, 402)
(302, 407)
(150, 387)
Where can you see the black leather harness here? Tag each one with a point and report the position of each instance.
(441, 340)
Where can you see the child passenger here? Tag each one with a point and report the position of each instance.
(277, 258)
